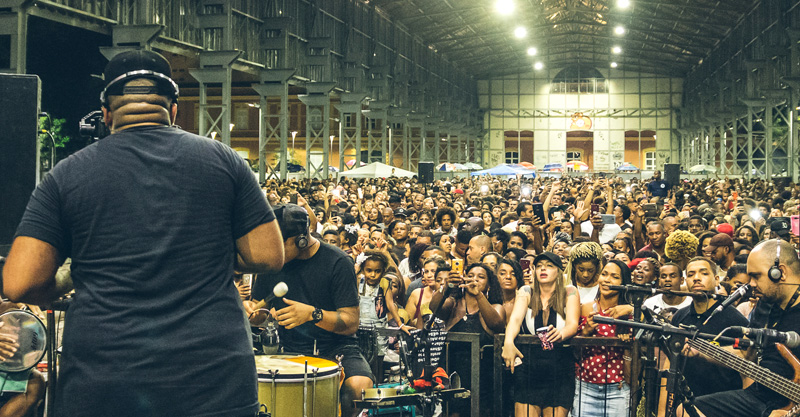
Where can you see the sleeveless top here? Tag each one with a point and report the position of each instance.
(601, 364)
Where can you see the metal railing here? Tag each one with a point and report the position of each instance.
(575, 342)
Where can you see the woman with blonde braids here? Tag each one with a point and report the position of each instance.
(583, 269)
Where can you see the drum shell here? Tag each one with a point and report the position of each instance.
(322, 391)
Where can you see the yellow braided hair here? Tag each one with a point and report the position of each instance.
(584, 251)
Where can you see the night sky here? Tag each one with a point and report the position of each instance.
(64, 57)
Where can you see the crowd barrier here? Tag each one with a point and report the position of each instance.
(478, 351)
(576, 342)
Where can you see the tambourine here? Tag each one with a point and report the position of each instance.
(29, 332)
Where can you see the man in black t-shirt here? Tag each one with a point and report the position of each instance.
(658, 187)
(778, 297)
(320, 310)
(154, 219)
(702, 376)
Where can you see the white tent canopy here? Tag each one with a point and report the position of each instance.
(377, 170)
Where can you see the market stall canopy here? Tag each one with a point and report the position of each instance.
(377, 170)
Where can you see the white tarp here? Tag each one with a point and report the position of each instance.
(377, 170)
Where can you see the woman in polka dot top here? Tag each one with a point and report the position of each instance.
(603, 372)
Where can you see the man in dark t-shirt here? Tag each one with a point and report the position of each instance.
(154, 219)
(702, 376)
(319, 313)
(658, 187)
(779, 299)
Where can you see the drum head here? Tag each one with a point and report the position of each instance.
(293, 367)
(29, 332)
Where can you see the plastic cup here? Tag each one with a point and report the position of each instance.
(542, 333)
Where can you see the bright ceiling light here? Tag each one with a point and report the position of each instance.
(504, 7)
(619, 30)
(520, 32)
(623, 4)
(616, 50)
(538, 66)
(532, 51)
(613, 65)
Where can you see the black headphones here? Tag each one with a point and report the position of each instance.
(164, 86)
(302, 240)
(774, 272)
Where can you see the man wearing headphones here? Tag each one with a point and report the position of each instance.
(319, 314)
(154, 219)
(774, 271)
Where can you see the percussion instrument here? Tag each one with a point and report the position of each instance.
(29, 332)
(368, 342)
(298, 386)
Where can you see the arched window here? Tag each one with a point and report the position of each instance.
(579, 79)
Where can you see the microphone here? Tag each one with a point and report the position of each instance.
(736, 296)
(633, 288)
(790, 339)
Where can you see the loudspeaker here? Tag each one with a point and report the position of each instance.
(672, 173)
(19, 150)
(425, 172)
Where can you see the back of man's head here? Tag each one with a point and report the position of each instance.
(139, 90)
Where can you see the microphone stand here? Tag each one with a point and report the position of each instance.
(52, 371)
(675, 344)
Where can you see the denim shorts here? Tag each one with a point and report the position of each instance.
(600, 400)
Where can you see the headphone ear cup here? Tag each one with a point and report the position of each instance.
(775, 273)
(301, 242)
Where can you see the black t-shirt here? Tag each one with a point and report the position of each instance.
(702, 376)
(149, 217)
(327, 280)
(783, 321)
(658, 188)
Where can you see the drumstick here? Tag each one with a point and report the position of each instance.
(278, 291)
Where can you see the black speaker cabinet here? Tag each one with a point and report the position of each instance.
(672, 173)
(425, 172)
(19, 150)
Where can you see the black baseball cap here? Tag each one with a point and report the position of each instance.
(292, 219)
(550, 256)
(780, 226)
(135, 64)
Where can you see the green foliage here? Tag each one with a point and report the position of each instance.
(51, 133)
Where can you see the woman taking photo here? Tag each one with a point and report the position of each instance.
(473, 304)
(543, 383)
(603, 372)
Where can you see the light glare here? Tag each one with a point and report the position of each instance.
(623, 4)
(619, 30)
(520, 32)
(532, 51)
(504, 7)
(613, 65)
(538, 66)
(617, 50)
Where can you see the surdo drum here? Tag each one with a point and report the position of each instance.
(298, 386)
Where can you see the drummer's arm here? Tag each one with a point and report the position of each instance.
(343, 321)
(30, 273)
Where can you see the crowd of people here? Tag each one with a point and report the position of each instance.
(157, 327)
(520, 256)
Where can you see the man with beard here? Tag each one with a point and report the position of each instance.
(720, 250)
(774, 271)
